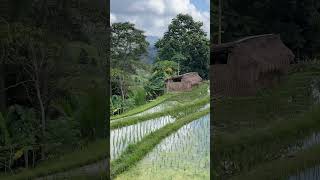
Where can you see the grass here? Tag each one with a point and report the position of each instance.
(283, 168)
(179, 108)
(181, 97)
(250, 112)
(144, 107)
(135, 152)
(94, 152)
(248, 148)
(190, 96)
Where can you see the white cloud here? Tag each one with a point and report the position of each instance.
(154, 16)
(113, 18)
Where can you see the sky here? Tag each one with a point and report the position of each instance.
(154, 16)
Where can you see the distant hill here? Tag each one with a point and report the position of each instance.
(152, 39)
(152, 50)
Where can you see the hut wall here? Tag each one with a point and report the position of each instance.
(224, 81)
(178, 86)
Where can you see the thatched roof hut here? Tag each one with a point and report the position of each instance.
(183, 82)
(240, 68)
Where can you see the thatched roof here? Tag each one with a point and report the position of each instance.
(266, 51)
(243, 66)
(226, 46)
(183, 82)
(191, 77)
(188, 75)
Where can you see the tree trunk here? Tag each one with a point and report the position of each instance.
(26, 159)
(43, 116)
(219, 14)
(121, 88)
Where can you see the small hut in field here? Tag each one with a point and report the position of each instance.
(242, 67)
(183, 82)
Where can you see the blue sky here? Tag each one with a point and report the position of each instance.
(202, 5)
(154, 16)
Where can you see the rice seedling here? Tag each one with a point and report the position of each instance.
(135, 152)
(184, 154)
(132, 137)
(309, 174)
(120, 138)
(178, 110)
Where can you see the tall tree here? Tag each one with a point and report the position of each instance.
(36, 56)
(186, 43)
(127, 44)
(220, 25)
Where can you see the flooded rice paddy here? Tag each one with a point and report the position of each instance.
(122, 137)
(306, 143)
(315, 86)
(183, 155)
(309, 174)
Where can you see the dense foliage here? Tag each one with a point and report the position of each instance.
(183, 48)
(185, 43)
(52, 79)
(128, 45)
(297, 21)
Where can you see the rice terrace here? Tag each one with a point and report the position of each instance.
(171, 136)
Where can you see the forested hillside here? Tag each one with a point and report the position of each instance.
(52, 83)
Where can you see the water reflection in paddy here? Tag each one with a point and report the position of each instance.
(309, 174)
(122, 137)
(183, 155)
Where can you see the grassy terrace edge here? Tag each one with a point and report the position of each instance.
(134, 120)
(269, 140)
(135, 152)
(284, 168)
(144, 107)
(92, 153)
(301, 126)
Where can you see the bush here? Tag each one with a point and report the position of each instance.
(23, 125)
(139, 96)
(4, 134)
(91, 113)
